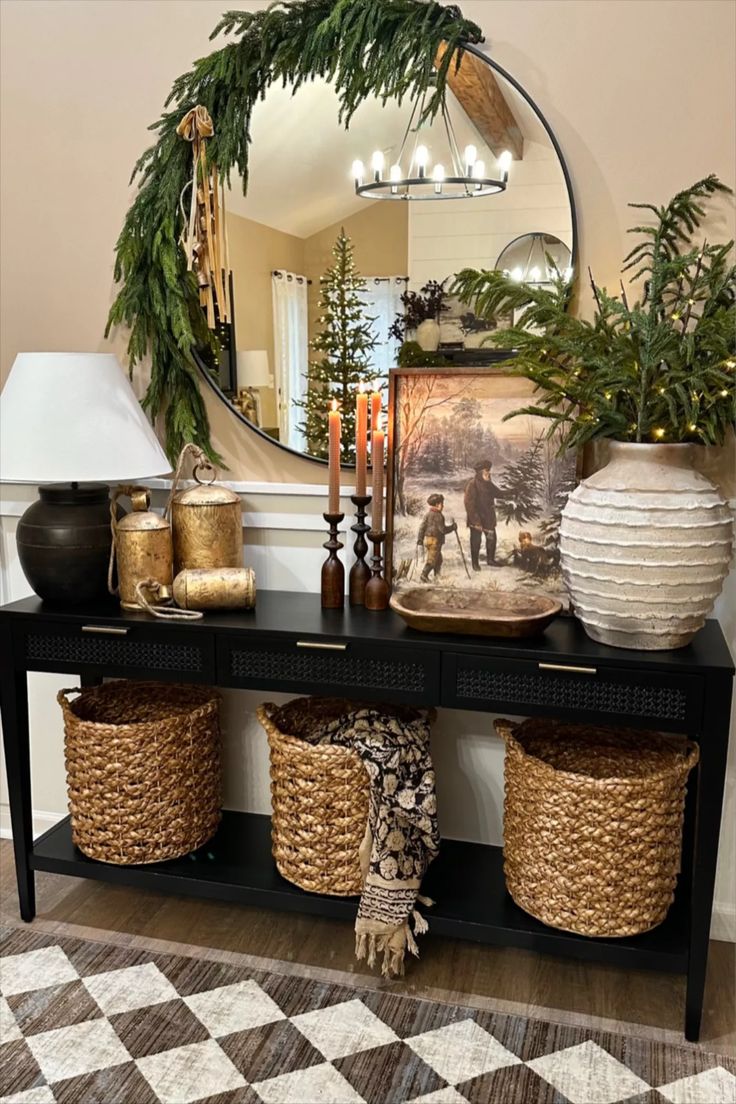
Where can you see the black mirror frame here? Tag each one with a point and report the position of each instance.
(471, 49)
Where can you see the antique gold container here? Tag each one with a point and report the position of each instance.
(213, 588)
(143, 547)
(207, 524)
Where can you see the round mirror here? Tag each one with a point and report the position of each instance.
(329, 278)
(535, 258)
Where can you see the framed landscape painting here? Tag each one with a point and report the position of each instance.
(474, 501)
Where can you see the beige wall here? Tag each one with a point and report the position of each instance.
(255, 251)
(379, 234)
(82, 80)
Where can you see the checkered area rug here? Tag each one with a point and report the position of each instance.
(83, 1022)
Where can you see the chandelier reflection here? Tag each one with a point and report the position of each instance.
(457, 177)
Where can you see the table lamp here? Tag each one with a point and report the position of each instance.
(253, 373)
(66, 419)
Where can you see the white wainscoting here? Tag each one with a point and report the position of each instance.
(283, 534)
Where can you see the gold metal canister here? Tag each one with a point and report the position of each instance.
(207, 524)
(212, 588)
(143, 547)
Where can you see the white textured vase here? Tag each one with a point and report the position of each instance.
(428, 335)
(645, 545)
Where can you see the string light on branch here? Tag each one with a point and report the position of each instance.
(465, 177)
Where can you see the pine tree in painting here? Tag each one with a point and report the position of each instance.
(343, 348)
(523, 480)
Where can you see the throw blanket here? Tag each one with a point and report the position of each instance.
(401, 837)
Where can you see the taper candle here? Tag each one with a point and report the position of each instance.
(334, 457)
(377, 462)
(361, 440)
(375, 409)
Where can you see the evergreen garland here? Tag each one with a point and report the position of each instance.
(384, 48)
(345, 340)
(660, 368)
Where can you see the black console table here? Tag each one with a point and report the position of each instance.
(290, 644)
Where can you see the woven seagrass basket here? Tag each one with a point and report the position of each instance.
(593, 824)
(319, 795)
(143, 769)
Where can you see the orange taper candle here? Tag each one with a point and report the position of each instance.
(377, 462)
(361, 440)
(334, 456)
(375, 409)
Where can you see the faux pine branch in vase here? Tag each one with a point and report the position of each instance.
(656, 363)
(645, 542)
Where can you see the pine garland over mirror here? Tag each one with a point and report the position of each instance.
(384, 48)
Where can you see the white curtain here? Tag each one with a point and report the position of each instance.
(382, 301)
(291, 352)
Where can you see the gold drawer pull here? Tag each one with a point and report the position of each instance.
(321, 645)
(109, 630)
(568, 667)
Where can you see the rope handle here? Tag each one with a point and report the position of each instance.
(63, 696)
(202, 463)
(164, 613)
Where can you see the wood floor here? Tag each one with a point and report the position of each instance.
(536, 983)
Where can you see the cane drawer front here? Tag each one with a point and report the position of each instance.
(606, 695)
(147, 650)
(350, 669)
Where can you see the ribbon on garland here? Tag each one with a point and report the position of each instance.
(204, 237)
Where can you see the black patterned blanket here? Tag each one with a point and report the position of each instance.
(402, 837)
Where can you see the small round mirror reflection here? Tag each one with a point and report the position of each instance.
(328, 285)
(535, 258)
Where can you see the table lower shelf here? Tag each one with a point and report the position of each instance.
(466, 882)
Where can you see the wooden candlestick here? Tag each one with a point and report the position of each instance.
(376, 589)
(360, 572)
(333, 572)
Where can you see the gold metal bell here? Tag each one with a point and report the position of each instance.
(213, 588)
(142, 544)
(207, 523)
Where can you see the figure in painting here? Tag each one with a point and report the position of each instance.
(480, 508)
(531, 557)
(431, 536)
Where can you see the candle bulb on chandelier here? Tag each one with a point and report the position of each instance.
(504, 164)
(361, 440)
(377, 163)
(395, 176)
(438, 175)
(421, 157)
(358, 172)
(377, 465)
(479, 171)
(335, 429)
(470, 156)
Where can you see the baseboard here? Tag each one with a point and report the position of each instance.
(41, 822)
(723, 924)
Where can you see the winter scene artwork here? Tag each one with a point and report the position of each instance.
(474, 501)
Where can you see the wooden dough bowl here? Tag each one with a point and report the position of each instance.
(475, 613)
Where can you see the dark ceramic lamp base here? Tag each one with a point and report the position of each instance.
(64, 542)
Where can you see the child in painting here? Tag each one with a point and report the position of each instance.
(431, 536)
(529, 556)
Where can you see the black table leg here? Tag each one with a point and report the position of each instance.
(14, 704)
(711, 776)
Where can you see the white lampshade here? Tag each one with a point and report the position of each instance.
(253, 368)
(73, 417)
